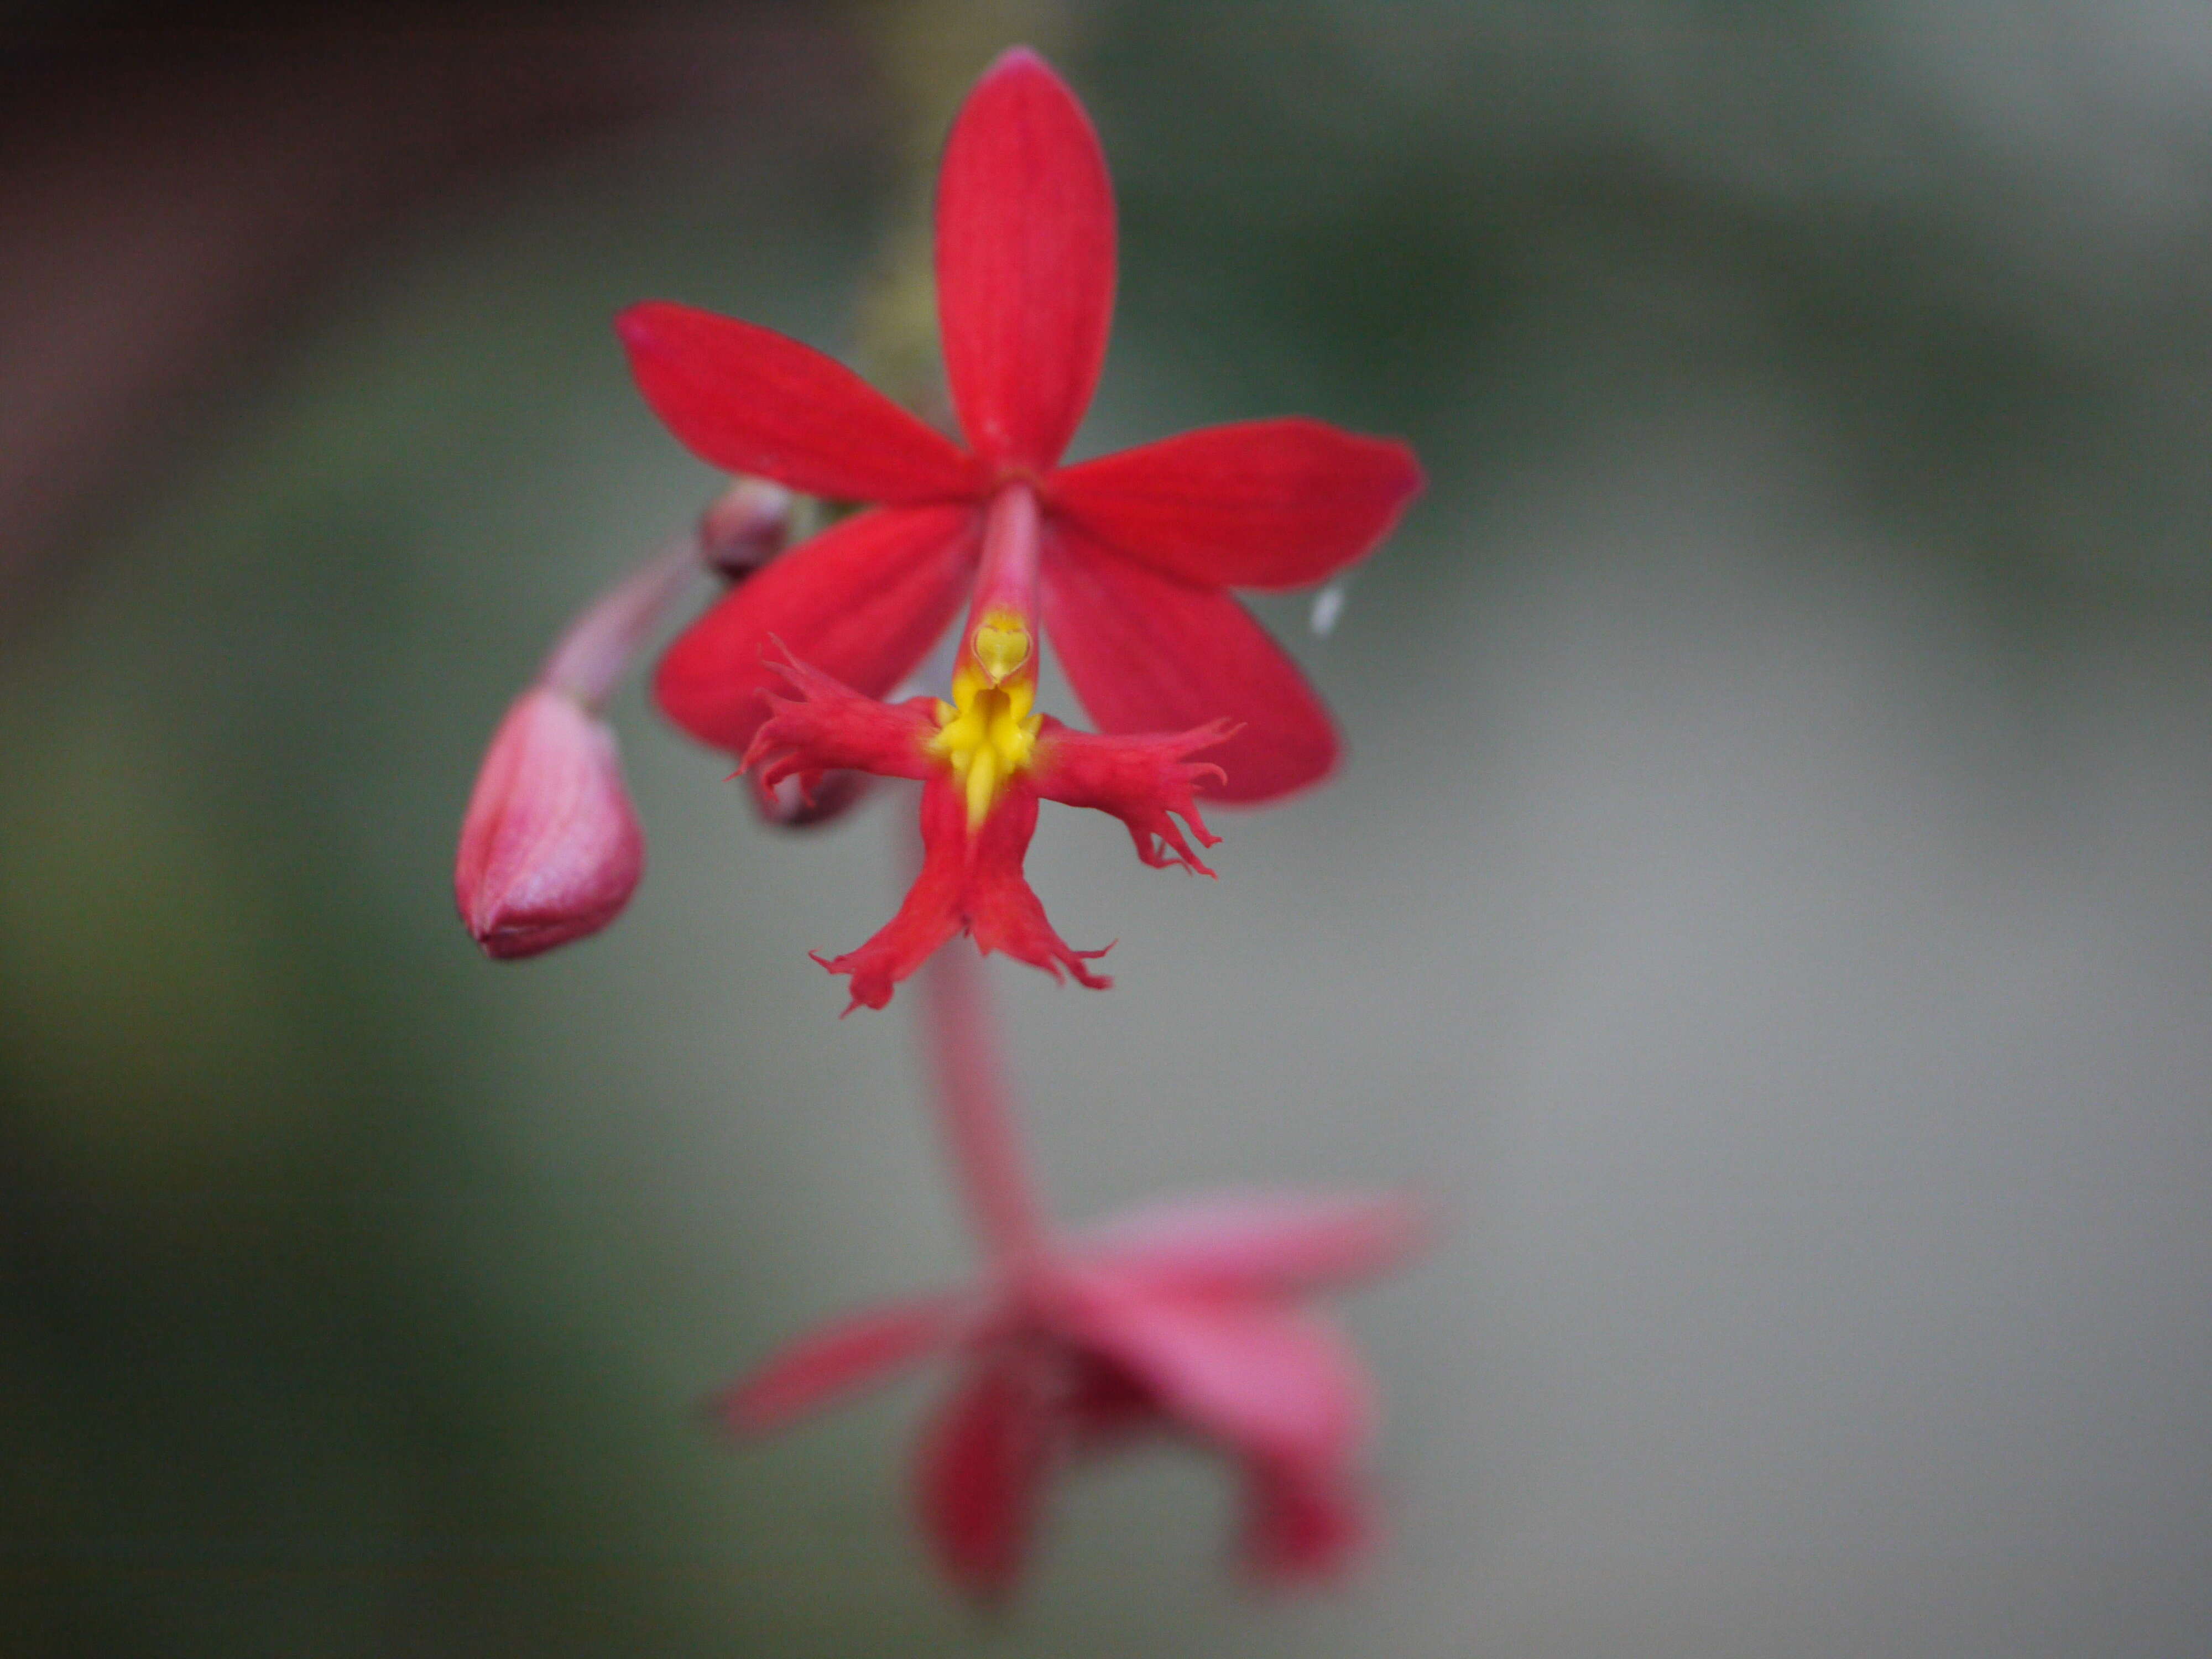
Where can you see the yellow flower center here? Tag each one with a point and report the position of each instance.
(986, 732)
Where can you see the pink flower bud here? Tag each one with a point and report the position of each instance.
(747, 526)
(550, 848)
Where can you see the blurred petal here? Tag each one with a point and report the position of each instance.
(838, 1360)
(983, 1461)
(1269, 1382)
(1259, 1242)
(863, 601)
(1301, 1524)
(550, 848)
(749, 400)
(1258, 504)
(1025, 263)
(1145, 652)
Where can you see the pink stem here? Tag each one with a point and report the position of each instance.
(972, 1104)
(594, 654)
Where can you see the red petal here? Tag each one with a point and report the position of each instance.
(839, 1359)
(1139, 780)
(748, 399)
(983, 1462)
(863, 602)
(1301, 1524)
(1259, 1242)
(1259, 504)
(1267, 1383)
(1025, 263)
(1148, 654)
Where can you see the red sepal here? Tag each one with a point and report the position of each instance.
(749, 400)
(972, 883)
(1139, 780)
(1025, 263)
(1145, 652)
(863, 602)
(1256, 504)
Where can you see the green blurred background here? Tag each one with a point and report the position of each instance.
(1766, 905)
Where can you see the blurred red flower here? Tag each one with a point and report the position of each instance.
(1183, 1318)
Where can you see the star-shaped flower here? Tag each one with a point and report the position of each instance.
(1183, 1318)
(1130, 553)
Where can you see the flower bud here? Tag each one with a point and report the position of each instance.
(747, 526)
(550, 848)
(788, 806)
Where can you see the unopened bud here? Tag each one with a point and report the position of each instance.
(788, 806)
(747, 526)
(550, 848)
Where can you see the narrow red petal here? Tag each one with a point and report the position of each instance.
(837, 1360)
(1258, 504)
(863, 602)
(983, 1466)
(1266, 1382)
(1025, 263)
(1302, 1525)
(748, 399)
(1139, 780)
(1270, 1244)
(1148, 654)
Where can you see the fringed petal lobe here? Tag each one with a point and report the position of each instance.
(862, 602)
(1003, 913)
(748, 399)
(1145, 652)
(816, 725)
(1274, 503)
(1025, 263)
(1139, 780)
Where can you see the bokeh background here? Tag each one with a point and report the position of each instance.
(1766, 906)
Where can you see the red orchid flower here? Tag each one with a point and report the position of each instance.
(1183, 1318)
(1128, 555)
(984, 761)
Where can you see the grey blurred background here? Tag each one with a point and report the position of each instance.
(1765, 906)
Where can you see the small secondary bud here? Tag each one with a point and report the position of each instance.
(747, 526)
(550, 846)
